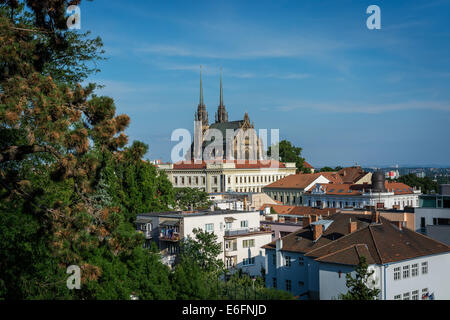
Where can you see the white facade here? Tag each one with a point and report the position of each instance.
(242, 227)
(320, 199)
(433, 222)
(326, 281)
(223, 177)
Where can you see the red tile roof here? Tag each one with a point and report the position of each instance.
(302, 180)
(379, 242)
(357, 189)
(307, 165)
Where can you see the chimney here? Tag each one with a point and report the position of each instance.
(375, 217)
(398, 224)
(306, 221)
(317, 231)
(352, 226)
(314, 218)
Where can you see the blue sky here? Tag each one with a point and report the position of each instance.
(312, 69)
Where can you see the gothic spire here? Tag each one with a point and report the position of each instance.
(221, 88)
(201, 87)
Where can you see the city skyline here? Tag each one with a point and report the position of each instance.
(342, 92)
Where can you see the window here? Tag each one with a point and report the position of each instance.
(414, 270)
(274, 282)
(228, 225)
(244, 224)
(301, 262)
(397, 273)
(215, 180)
(288, 285)
(274, 260)
(406, 296)
(176, 180)
(415, 295)
(182, 180)
(209, 227)
(248, 261)
(405, 272)
(288, 261)
(424, 267)
(248, 243)
(424, 292)
(398, 297)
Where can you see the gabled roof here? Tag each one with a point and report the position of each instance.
(358, 189)
(379, 242)
(302, 180)
(351, 174)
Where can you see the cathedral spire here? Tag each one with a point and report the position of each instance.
(201, 114)
(221, 114)
(201, 88)
(221, 88)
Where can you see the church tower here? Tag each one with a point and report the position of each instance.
(201, 114)
(221, 114)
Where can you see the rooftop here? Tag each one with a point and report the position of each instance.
(380, 242)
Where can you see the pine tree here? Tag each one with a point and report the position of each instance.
(359, 288)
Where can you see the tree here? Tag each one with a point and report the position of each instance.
(426, 184)
(57, 142)
(290, 153)
(191, 199)
(203, 250)
(135, 185)
(326, 169)
(359, 288)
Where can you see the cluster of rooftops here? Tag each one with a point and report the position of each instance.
(343, 238)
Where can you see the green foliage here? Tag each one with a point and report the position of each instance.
(426, 184)
(326, 169)
(135, 185)
(191, 199)
(204, 250)
(358, 286)
(290, 153)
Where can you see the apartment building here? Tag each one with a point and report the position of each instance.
(238, 232)
(312, 262)
(379, 193)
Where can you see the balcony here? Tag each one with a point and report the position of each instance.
(243, 231)
(170, 237)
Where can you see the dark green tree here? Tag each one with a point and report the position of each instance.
(326, 169)
(203, 250)
(290, 153)
(191, 199)
(359, 287)
(426, 184)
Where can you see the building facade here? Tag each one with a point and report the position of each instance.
(223, 176)
(312, 262)
(432, 218)
(238, 232)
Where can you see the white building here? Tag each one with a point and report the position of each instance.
(433, 216)
(238, 232)
(312, 262)
(222, 176)
(395, 196)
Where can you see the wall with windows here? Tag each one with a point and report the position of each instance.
(432, 274)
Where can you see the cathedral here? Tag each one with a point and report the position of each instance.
(223, 139)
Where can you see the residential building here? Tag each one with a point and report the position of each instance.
(432, 218)
(379, 194)
(238, 232)
(312, 262)
(222, 176)
(289, 190)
